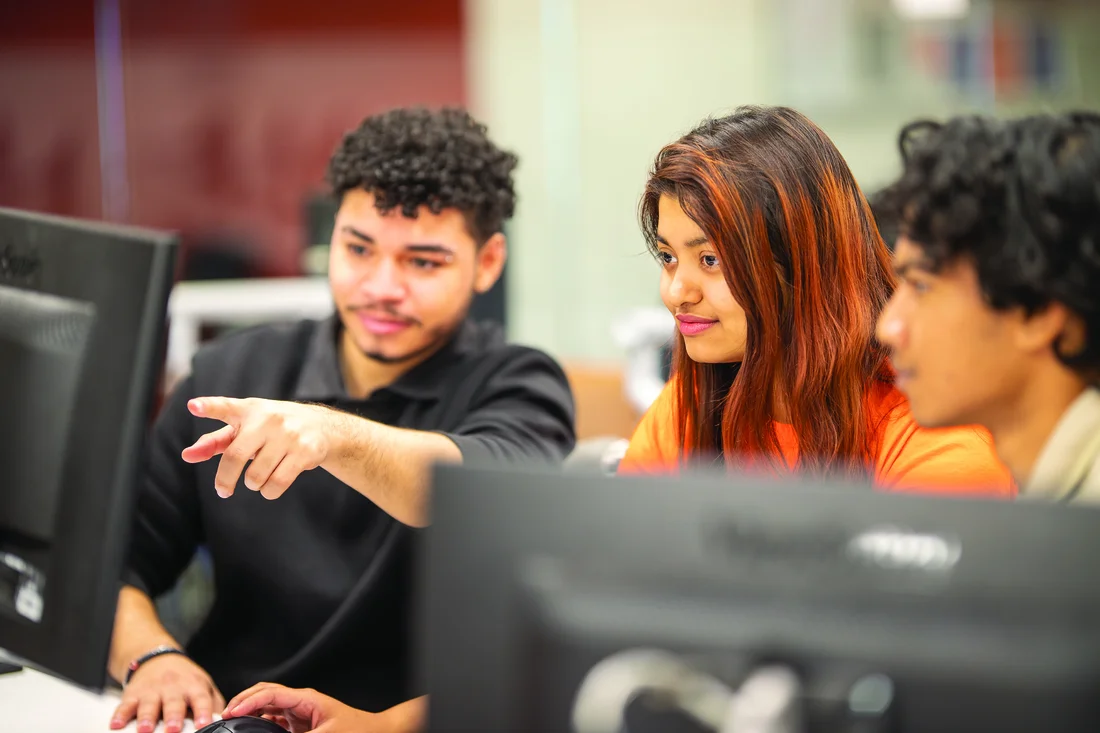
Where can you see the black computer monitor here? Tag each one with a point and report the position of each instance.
(82, 316)
(554, 602)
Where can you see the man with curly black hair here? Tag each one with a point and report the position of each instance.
(341, 420)
(996, 318)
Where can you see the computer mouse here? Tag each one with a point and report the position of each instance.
(244, 724)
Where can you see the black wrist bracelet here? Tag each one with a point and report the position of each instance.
(133, 667)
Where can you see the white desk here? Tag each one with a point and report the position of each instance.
(37, 703)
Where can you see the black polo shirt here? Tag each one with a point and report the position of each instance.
(314, 589)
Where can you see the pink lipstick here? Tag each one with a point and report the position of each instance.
(693, 325)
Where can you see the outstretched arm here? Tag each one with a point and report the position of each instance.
(524, 412)
(390, 466)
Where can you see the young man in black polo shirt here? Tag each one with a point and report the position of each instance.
(345, 416)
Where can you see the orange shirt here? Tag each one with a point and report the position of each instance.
(911, 458)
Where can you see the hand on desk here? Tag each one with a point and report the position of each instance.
(166, 687)
(282, 439)
(300, 711)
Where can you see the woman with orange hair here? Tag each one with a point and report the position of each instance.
(774, 269)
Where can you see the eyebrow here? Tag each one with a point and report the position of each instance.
(430, 249)
(690, 244)
(901, 269)
(419, 248)
(356, 233)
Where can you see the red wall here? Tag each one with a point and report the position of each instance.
(232, 107)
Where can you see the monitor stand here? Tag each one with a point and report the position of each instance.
(9, 663)
(769, 701)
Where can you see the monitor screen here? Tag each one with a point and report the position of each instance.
(42, 345)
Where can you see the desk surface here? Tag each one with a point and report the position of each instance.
(38, 703)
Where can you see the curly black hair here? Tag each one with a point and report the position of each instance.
(441, 158)
(1020, 199)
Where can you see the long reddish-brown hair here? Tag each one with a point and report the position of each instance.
(802, 256)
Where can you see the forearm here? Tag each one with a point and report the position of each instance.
(137, 630)
(408, 717)
(390, 466)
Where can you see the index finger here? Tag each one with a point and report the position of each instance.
(246, 694)
(229, 410)
(278, 698)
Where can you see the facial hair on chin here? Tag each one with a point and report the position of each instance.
(438, 337)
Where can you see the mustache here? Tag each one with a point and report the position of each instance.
(386, 310)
